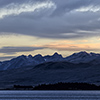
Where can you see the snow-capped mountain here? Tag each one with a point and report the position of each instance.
(83, 57)
(29, 60)
(22, 61)
(54, 57)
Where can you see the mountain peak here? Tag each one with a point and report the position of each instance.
(55, 54)
(82, 57)
(30, 56)
(22, 56)
(81, 54)
(38, 58)
(38, 55)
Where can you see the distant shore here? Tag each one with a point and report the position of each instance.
(57, 86)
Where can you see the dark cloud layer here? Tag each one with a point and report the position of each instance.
(6, 58)
(63, 19)
(11, 50)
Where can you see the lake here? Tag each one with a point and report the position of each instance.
(49, 95)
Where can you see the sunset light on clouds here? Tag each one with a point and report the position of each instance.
(48, 26)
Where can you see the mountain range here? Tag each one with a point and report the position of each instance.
(23, 61)
(38, 69)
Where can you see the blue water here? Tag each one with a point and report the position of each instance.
(49, 95)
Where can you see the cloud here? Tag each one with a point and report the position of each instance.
(7, 2)
(89, 8)
(16, 9)
(68, 6)
(74, 47)
(59, 46)
(6, 58)
(12, 50)
(51, 18)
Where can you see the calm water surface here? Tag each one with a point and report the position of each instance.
(49, 95)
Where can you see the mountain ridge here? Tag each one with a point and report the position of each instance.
(21, 61)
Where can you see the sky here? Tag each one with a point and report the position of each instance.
(48, 26)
